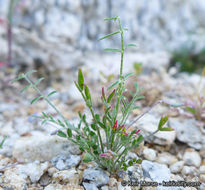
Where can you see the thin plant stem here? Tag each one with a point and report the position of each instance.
(121, 72)
(93, 116)
(9, 41)
(140, 116)
(47, 100)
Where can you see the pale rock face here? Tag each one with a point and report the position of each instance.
(97, 177)
(90, 186)
(13, 178)
(63, 187)
(33, 170)
(149, 154)
(62, 162)
(202, 169)
(156, 172)
(105, 188)
(70, 176)
(120, 187)
(189, 170)
(192, 158)
(166, 158)
(42, 147)
(177, 167)
(202, 178)
(188, 132)
(165, 24)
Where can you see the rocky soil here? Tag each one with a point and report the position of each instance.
(33, 158)
(58, 37)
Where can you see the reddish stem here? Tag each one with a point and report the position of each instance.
(9, 36)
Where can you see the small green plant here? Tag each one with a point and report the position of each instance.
(137, 68)
(188, 60)
(196, 104)
(2, 142)
(106, 139)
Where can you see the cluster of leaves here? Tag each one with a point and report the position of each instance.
(187, 60)
(106, 139)
(196, 105)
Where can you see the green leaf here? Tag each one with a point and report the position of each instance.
(130, 163)
(91, 133)
(128, 75)
(133, 132)
(95, 147)
(112, 49)
(114, 33)
(21, 76)
(96, 152)
(104, 120)
(2, 142)
(36, 99)
(111, 18)
(134, 142)
(43, 121)
(36, 116)
(52, 120)
(87, 157)
(110, 96)
(60, 123)
(139, 161)
(162, 122)
(140, 139)
(191, 110)
(97, 117)
(87, 92)
(101, 125)
(130, 45)
(25, 88)
(62, 134)
(93, 127)
(125, 166)
(113, 85)
(30, 72)
(80, 79)
(78, 138)
(51, 93)
(69, 132)
(135, 107)
(44, 114)
(166, 129)
(38, 81)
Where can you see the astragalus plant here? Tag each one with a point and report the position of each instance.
(106, 139)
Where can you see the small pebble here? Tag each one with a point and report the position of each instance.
(189, 170)
(202, 178)
(202, 169)
(192, 158)
(166, 158)
(149, 154)
(177, 167)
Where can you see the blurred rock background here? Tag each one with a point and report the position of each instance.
(56, 32)
(154, 25)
